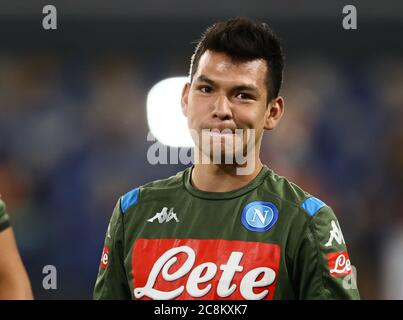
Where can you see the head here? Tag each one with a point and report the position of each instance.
(235, 79)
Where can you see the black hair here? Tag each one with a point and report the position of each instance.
(244, 40)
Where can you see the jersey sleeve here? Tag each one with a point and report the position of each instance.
(323, 269)
(111, 282)
(4, 219)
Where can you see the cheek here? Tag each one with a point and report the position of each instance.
(251, 119)
(197, 108)
(193, 113)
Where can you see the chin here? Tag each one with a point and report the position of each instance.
(222, 155)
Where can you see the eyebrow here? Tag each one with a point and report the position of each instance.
(203, 78)
(242, 87)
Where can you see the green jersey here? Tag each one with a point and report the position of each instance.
(4, 220)
(267, 240)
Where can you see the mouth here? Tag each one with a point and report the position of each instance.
(223, 131)
(226, 134)
(221, 134)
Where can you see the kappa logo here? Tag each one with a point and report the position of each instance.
(259, 216)
(164, 216)
(335, 234)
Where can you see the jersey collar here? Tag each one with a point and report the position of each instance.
(224, 195)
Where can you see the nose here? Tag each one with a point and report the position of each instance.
(222, 108)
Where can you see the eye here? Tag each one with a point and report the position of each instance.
(245, 96)
(205, 89)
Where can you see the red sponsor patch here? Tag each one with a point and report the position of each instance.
(339, 264)
(105, 257)
(186, 269)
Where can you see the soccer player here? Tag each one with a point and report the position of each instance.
(214, 231)
(14, 282)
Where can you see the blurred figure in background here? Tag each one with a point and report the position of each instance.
(14, 282)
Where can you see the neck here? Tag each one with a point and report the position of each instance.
(222, 178)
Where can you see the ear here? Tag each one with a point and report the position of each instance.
(274, 112)
(184, 100)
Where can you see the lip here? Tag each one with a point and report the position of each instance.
(216, 134)
(220, 130)
(220, 134)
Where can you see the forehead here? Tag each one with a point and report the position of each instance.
(219, 66)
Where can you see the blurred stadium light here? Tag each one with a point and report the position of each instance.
(164, 113)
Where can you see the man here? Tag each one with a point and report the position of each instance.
(14, 282)
(214, 231)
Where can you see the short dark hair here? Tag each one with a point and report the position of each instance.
(244, 40)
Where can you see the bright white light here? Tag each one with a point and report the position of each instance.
(164, 113)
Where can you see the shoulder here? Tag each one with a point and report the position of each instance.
(150, 191)
(293, 196)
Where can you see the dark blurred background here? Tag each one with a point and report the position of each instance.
(73, 121)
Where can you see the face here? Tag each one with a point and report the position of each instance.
(226, 95)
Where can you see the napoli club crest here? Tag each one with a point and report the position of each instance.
(259, 216)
